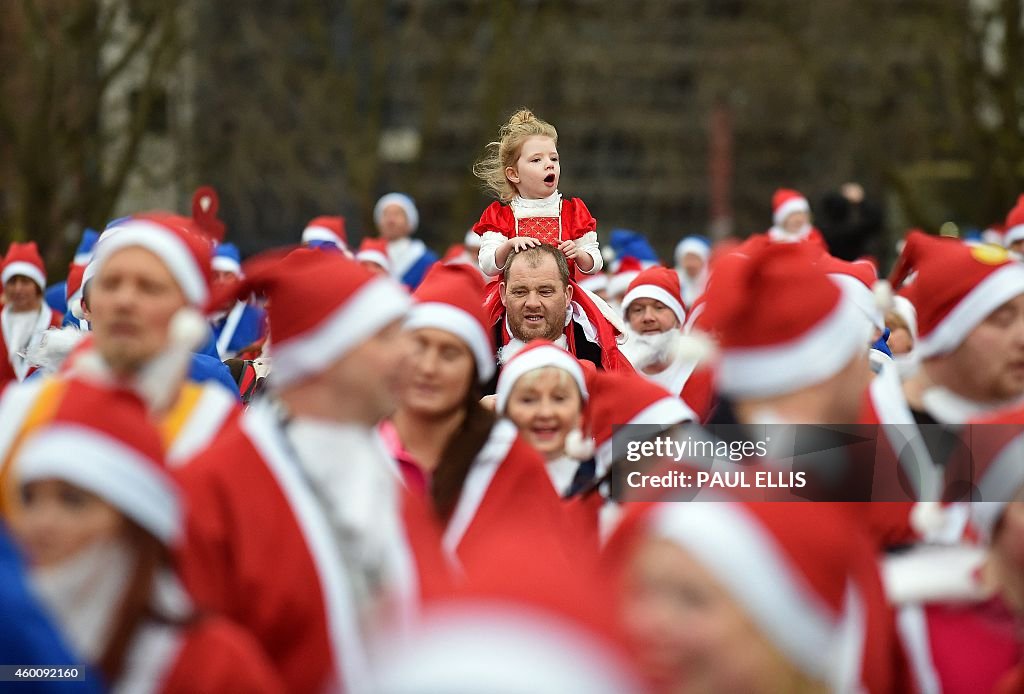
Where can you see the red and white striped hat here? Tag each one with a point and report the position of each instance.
(955, 287)
(660, 284)
(451, 298)
(101, 440)
(24, 259)
(326, 228)
(321, 306)
(781, 324)
(785, 202)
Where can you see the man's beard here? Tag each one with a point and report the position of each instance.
(549, 329)
(644, 351)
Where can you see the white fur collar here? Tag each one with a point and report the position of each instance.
(780, 235)
(949, 408)
(551, 206)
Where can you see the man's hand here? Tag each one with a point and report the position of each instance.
(489, 402)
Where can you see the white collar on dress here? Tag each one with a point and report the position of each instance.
(551, 206)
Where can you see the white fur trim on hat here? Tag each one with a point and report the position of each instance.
(25, 269)
(811, 358)
(376, 257)
(789, 207)
(319, 233)
(166, 245)
(594, 283)
(373, 306)
(472, 239)
(222, 263)
(653, 291)
(1013, 234)
(862, 296)
(106, 467)
(434, 314)
(692, 245)
(992, 292)
(733, 547)
(403, 201)
(537, 358)
(620, 281)
(903, 308)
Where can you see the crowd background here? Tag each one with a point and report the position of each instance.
(685, 114)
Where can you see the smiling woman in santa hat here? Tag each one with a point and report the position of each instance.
(100, 514)
(475, 470)
(543, 391)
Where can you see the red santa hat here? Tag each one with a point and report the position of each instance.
(810, 595)
(374, 251)
(537, 355)
(101, 440)
(859, 281)
(629, 267)
(451, 298)
(660, 284)
(24, 259)
(618, 399)
(328, 229)
(173, 239)
(785, 202)
(321, 306)
(403, 201)
(955, 287)
(781, 324)
(1015, 224)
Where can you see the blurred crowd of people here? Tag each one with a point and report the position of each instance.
(374, 469)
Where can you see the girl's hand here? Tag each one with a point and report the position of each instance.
(520, 243)
(569, 248)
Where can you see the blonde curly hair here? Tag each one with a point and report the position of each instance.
(506, 150)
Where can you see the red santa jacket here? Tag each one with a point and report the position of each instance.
(506, 486)
(48, 318)
(260, 550)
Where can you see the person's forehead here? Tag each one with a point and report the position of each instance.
(526, 270)
(538, 144)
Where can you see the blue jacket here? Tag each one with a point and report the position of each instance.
(26, 635)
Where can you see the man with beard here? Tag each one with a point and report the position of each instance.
(654, 314)
(537, 300)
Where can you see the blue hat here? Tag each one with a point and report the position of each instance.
(632, 243)
(226, 258)
(83, 254)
